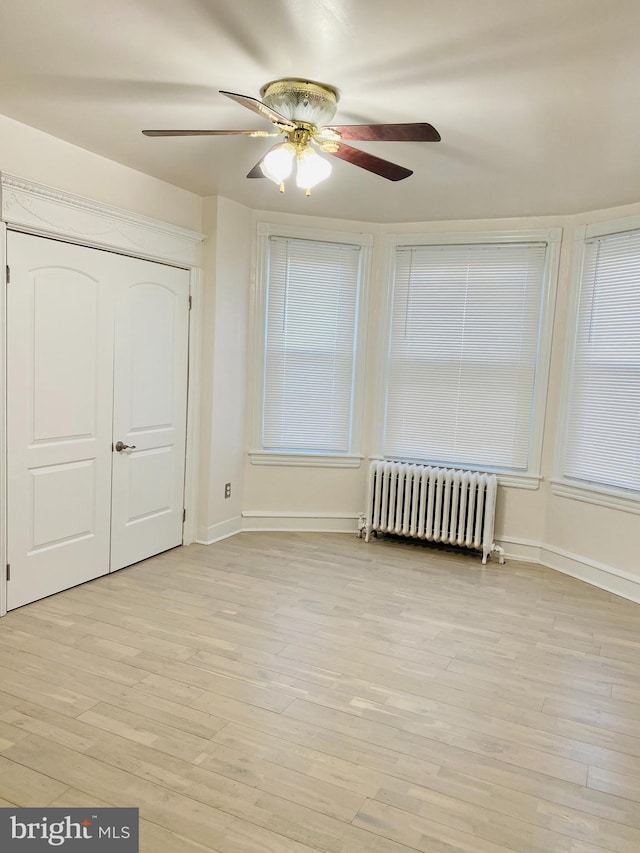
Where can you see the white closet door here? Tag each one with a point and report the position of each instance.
(150, 407)
(59, 415)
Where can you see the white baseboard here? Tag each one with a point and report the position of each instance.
(306, 522)
(523, 550)
(590, 571)
(222, 530)
(593, 572)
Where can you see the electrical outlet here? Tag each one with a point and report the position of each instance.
(227, 490)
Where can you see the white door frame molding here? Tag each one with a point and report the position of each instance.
(48, 212)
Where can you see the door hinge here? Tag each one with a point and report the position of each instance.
(8, 274)
(184, 515)
(8, 571)
(190, 302)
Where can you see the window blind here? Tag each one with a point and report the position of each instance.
(602, 443)
(465, 326)
(311, 316)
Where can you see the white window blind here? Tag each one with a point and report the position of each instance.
(465, 328)
(311, 317)
(602, 443)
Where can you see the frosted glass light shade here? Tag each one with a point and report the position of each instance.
(311, 169)
(278, 163)
(301, 100)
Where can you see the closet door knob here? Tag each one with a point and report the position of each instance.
(120, 446)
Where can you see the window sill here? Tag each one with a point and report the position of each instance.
(305, 460)
(520, 481)
(599, 495)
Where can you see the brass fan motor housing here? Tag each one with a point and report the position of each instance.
(301, 101)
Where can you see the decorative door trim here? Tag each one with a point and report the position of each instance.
(28, 206)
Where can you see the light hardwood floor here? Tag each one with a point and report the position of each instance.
(290, 692)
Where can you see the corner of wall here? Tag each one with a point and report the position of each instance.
(226, 261)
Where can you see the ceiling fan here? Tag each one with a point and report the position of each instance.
(301, 111)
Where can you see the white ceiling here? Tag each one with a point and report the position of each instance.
(536, 100)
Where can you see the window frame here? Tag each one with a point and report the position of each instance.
(258, 455)
(552, 237)
(561, 485)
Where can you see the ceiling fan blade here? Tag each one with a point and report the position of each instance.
(208, 133)
(256, 172)
(261, 109)
(417, 132)
(377, 165)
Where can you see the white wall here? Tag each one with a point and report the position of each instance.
(226, 265)
(594, 542)
(288, 497)
(334, 497)
(29, 153)
(597, 543)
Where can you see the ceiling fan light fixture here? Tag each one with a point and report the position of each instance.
(277, 164)
(312, 168)
(302, 110)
